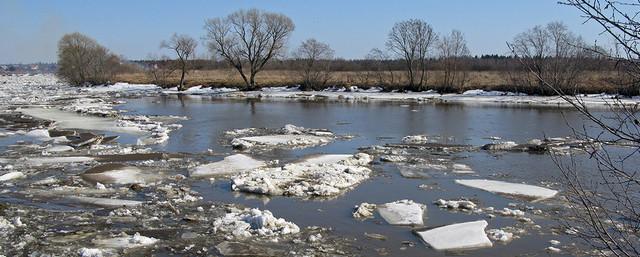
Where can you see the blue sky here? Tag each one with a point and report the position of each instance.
(30, 29)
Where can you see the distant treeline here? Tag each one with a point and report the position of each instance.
(476, 63)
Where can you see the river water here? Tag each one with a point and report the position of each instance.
(378, 123)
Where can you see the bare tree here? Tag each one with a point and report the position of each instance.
(554, 53)
(159, 69)
(316, 57)
(452, 50)
(247, 40)
(382, 62)
(411, 40)
(81, 61)
(604, 206)
(184, 46)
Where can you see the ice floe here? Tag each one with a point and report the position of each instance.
(11, 175)
(364, 211)
(37, 161)
(253, 222)
(125, 241)
(229, 165)
(290, 136)
(296, 141)
(402, 212)
(104, 202)
(305, 179)
(116, 173)
(523, 190)
(459, 236)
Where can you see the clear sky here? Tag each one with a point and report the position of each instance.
(29, 29)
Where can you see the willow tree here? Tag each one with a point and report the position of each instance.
(248, 39)
(82, 61)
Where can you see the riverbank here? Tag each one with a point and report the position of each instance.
(591, 82)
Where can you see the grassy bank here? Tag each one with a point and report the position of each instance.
(591, 82)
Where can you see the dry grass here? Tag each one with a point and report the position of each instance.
(592, 82)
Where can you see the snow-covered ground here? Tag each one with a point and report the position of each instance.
(51, 88)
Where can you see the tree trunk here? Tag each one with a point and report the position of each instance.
(181, 86)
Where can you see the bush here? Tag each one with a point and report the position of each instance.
(82, 61)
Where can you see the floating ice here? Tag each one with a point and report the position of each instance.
(305, 178)
(125, 241)
(59, 149)
(104, 202)
(115, 173)
(462, 169)
(229, 165)
(11, 175)
(453, 204)
(364, 211)
(253, 222)
(468, 235)
(499, 235)
(90, 252)
(529, 191)
(403, 212)
(297, 141)
(37, 161)
(70, 120)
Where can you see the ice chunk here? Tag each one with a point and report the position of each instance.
(468, 235)
(11, 175)
(116, 173)
(104, 202)
(311, 178)
(326, 158)
(364, 211)
(125, 241)
(40, 134)
(90, 252)
(297, 141)
(499, 235)
(403, 212)
(494, 186)
(462, 169)
(59, 149)
(250, 222)
(56, 160)
(500, 146)
(230, 165)
(66, 120)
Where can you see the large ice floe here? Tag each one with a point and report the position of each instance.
(402, 212)
(116, 173)
(229, 165)
(459, 236)
(312, 178)
(515, 189)
(243, 223)
(290, 136)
